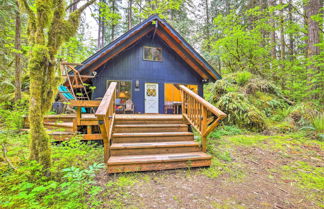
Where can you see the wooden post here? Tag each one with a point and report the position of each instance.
(78, 115)
(104, 134)
(204, 129)
(75, 125)
(89, 129)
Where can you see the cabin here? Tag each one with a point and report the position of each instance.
(142, 96)
(146, 62)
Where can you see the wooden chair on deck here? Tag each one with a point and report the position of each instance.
(129, 106)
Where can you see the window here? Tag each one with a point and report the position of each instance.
(123, 91)
(152, 53)
(172, 94)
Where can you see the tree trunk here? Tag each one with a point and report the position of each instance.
(207, 25)
(18, 56)
(39, 104)
(313, 32)
(282, 33)
(227, 7)
(45, 39)
(273, 32)
(312, 8)
(129, 16)
(113, 26)
(291, 37)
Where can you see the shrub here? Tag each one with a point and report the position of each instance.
(11, 118)
(240, 112)
(258, 84)
(29, 188)
(222, 87)
(303, 113)
(318, 123)
(243, 77)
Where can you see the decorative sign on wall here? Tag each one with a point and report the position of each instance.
(152, 53)
(151, 90)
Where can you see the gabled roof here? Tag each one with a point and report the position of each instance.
(164, 31)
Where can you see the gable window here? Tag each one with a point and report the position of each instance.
(152, 53)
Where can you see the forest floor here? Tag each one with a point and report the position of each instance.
(248, 171)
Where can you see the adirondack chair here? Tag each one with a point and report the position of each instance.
(129, 106)
(67, 96)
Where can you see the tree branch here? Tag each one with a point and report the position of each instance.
(72, 4)
(25, 6)
(4, 154)
(85, 6)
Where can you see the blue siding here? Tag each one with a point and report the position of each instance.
(131, 66)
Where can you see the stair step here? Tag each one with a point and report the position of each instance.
(118, 164)
(59, 118)
(125, 128)
(66, 126)
(154, 148)
(61, 135)
(151, 137)
(148, 119)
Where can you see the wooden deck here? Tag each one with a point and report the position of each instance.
(139, 142)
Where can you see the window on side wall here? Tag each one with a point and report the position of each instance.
(123, 91)
(152, 53)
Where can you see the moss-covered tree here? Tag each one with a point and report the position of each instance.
(48, 28)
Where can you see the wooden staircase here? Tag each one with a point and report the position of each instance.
(153, 142)
(146, 142)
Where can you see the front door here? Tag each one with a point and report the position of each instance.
(151, 98)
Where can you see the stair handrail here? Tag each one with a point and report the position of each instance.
(196, 109)
(106, 116)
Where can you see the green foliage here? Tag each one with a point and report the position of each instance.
(225, 131)
(243, 77)
(241, 45)
(27, 187)
(23, 183)
(11, 117)
(318, 123)
(240, 112)
(82, 153)
(158, 7)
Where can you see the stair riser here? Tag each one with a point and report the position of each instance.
(151, 139)
(58, 128)
(157, 166)
(149, 151)
(149, 129)
(148, 121)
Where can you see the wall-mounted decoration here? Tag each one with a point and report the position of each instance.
(152, 53)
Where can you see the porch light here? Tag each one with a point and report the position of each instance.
(137, 84)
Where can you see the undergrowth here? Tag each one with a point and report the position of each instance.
(23, 183)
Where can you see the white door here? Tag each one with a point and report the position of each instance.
(151, 98)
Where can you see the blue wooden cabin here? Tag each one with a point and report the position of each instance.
(146, 61)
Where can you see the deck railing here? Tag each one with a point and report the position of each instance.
(106, 116)
(202, 115)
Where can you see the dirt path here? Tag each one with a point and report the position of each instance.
(250, 180)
